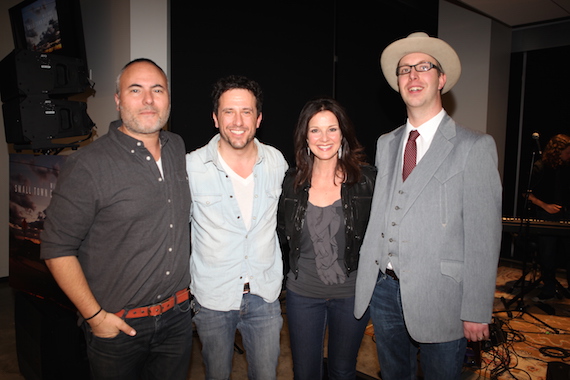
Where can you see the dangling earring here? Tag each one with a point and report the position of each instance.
(309, 151)
(340, 152)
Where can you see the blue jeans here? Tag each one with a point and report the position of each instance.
(161, 348)
(260, 325)
(308, 319)
(398, 352)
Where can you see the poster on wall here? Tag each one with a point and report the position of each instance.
(41, 24)
(32, 180)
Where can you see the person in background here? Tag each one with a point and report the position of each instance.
(117, 240)
(323, 214)
(551, 195)
(236, 264)
(428, 263)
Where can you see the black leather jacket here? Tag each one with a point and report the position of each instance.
(356, 203)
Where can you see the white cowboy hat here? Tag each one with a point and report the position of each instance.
(420, 42)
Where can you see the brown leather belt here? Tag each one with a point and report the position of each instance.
(159, 308)
(392, 274)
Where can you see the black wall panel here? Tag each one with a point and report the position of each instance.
(295, 50)
(538, 102)
(362, 34)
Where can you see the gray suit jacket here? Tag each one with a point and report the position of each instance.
(441, 229)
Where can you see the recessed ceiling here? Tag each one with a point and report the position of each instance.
(520, 12)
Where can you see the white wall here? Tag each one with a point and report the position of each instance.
(106, 26)
(116, 31)
(148, 40)
(479, 100)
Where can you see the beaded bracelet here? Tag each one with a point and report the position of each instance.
(94, 315)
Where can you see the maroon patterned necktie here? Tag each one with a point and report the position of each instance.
(410, 154)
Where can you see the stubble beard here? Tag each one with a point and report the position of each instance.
(236, 143)
(133, 124)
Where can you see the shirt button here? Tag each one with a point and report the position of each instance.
(139, 143)
(158, 296)
(376, 262)
(167, 272)
(397, 208)
(159, 179)
(246, 257)
(170, 249)
(148, 158)
(171, 225)
(132, 150)
(393, 223)
(169, 201)
(382, 235)
(390, 240)
(390, 254)
(401, 192)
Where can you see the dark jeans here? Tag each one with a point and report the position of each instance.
(549, 247)
(397, 351)
(308, 319)
(160, 350)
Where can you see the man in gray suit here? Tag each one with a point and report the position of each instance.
(428, 262)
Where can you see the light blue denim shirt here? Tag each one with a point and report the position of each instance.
(222, 247)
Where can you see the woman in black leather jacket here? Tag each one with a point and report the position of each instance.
(323, 214)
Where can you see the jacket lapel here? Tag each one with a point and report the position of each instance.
(438, 151)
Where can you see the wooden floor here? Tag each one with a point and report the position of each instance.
(532, 331)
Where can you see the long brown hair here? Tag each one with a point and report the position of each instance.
(352, 153)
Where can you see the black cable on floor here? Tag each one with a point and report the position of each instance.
(554, 352)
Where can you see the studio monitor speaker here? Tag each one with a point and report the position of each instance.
(38, 118)
(24, 73)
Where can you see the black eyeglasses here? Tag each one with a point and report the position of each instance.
(421, 67)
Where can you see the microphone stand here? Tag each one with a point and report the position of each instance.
(524, 241)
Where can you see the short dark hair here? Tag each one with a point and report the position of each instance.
(236, 82)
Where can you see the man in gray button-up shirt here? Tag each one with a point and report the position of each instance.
(116, 236)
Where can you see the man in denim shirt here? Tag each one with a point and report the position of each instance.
(236, 265)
